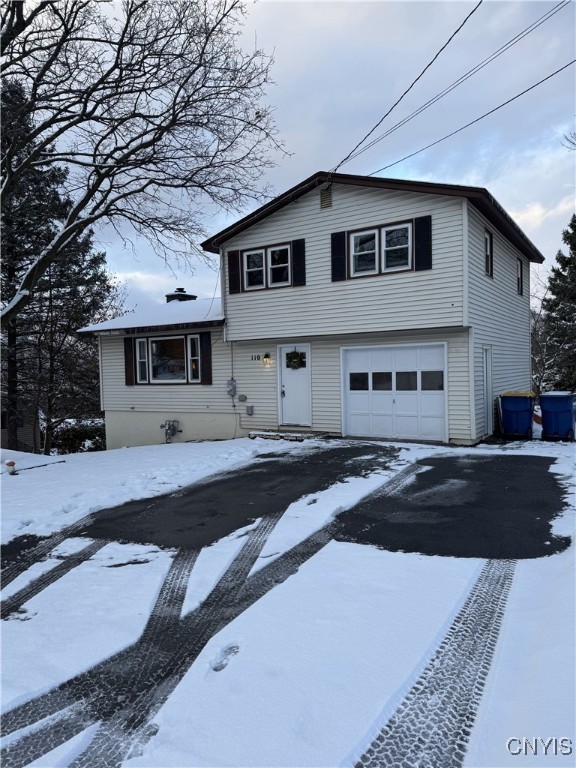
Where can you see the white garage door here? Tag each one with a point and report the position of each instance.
(395, 391)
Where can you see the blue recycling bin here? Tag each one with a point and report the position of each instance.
(558, 415)
(516, 414)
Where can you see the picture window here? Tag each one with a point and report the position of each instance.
(168, 360)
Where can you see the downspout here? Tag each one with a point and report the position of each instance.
(466, 316)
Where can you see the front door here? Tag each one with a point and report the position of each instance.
(294, 401)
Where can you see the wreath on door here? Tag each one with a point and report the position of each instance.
(295, 360)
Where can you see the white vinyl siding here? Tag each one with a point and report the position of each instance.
(259, 383)
(116, 396)
(403, 299)
(499, 315)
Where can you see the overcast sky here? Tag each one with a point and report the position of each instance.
(339, 66)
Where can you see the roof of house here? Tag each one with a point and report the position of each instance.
(173, 315)
(478, 196)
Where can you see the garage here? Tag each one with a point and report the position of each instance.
(395, 391)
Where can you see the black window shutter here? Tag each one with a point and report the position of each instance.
(234, 282)
(423, 243)
(338, 245)
(129, 361)
(206, 358)
(298, 262)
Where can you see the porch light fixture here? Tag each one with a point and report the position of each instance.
(267, 360)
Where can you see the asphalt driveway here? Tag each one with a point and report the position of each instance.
(498, 508)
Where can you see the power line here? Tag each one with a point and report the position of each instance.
(407, 157)
(516, 39)
(371, 131)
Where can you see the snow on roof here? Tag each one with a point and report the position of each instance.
(171, 313)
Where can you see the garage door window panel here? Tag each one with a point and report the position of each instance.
(407, 381)
(359, 381)
(382, 381)
(432, 381)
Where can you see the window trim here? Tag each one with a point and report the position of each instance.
(352, 253)
(144, 342)
(520, 277)
(488, 253)
(270, 267)
(190, 357)
(245, 270)
(266, 250)
(380, 231)
(151, 378)
(409, 226)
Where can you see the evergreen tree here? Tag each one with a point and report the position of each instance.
(560, 314)
(47, 367)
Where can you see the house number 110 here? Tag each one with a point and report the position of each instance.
(256, 357)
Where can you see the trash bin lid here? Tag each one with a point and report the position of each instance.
(558, 393)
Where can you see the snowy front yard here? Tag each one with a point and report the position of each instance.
(306, 675)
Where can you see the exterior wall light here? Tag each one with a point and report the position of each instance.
(267, 360)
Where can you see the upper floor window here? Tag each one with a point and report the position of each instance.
(488, 253)
(385, 249)
(363, 252)
(397, 247)
(520, 277)
(267, 267)
(168, 360)
(254, 270)
(278, 265)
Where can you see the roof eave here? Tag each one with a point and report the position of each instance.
(132, 330)
(478, 196)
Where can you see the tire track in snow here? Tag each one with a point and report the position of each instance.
(42, 550)
(36, 586)
(432, 726)
(124, 692)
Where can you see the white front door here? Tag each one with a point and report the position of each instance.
(294, 401)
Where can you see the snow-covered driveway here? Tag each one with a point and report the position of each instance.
(278, 645)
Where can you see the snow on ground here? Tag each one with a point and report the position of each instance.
(308, 674)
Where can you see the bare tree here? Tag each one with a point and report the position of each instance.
(570, 139)
(150, 105)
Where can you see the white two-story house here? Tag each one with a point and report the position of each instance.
(351, 306)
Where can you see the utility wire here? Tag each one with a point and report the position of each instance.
(548, 15)
(412, 84)
(476, 120)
